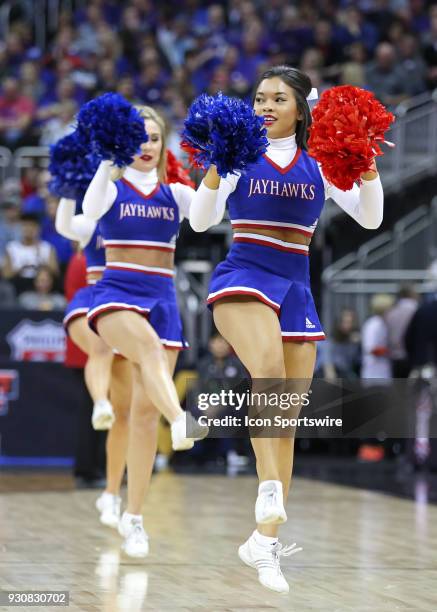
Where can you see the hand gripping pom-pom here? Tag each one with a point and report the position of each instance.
(225, 132)
(114, 128)
(348, 125)
(176, 173)
(72, 167)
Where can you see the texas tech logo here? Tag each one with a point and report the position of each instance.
(8, 389)
(37, 341)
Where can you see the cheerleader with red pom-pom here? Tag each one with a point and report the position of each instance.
(260, 295)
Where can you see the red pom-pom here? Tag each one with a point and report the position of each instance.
(176, 173)
(191, 154)
(348, 124)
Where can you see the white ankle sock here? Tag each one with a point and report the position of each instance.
(106, 494)
(263, 540)
(268, 485)
(136, 518)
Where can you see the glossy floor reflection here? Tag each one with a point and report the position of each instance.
(363, 551)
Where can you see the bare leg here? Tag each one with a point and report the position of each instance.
(143, 437)
(300, 358)
(117, 440)
(135, 338)
(253, 330)
(98, 366)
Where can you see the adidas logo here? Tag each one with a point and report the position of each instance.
(309, 324)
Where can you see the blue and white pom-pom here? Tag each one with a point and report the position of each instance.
(72, 167)
(226, 132)
(114, 128)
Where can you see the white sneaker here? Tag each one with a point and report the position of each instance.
(269, 506)
(266, 559)
(109, 507)
(136, 541)
(186, 423)
(103, 415)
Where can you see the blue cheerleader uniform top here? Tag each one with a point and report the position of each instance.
(274, 271)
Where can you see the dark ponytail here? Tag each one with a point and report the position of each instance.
(301, 85)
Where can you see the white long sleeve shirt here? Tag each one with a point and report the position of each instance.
(365, 204)
(102, 192)
(72, 226)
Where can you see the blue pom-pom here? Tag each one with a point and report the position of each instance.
(114, 127)
(226, 133)
(72, 166)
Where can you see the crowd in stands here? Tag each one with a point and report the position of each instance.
(166, 53)
(381, 349)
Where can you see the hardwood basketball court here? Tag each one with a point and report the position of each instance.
(363, 551)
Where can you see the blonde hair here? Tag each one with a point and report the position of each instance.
(380, 303)
(147, 112)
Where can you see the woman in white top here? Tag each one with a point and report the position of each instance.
(23, 257)
(261, 296)
(108, 377)
(134, 306)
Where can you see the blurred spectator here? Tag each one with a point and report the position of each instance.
(28, 182)
(341, 352)
(312, 59)
(251, 56)
(36, 202)
(175, 40)
(376, 363)
(293, 35)
(421, 336)
(62, 246)
(16, 113)
(23, 257)
(87, 40)
(150, 83)
(15, 51)
(50, 105)
(220, 365)
(381, 15)
(354, 28)
(11, 189)
(42, 297)
(397, 320)
(10, 227)
(126, 88)
(430, 49)
(374, 338)
(396, 32)
(59, 126)
(31, 84)
(326, 43)
(412, 64)
(353, 70)
(385, 77)
(132, 27)
(107, 76)
(7, 294)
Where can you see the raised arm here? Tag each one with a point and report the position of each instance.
(101, 193)
(74, 227)
(209, 202)
(365, 204)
